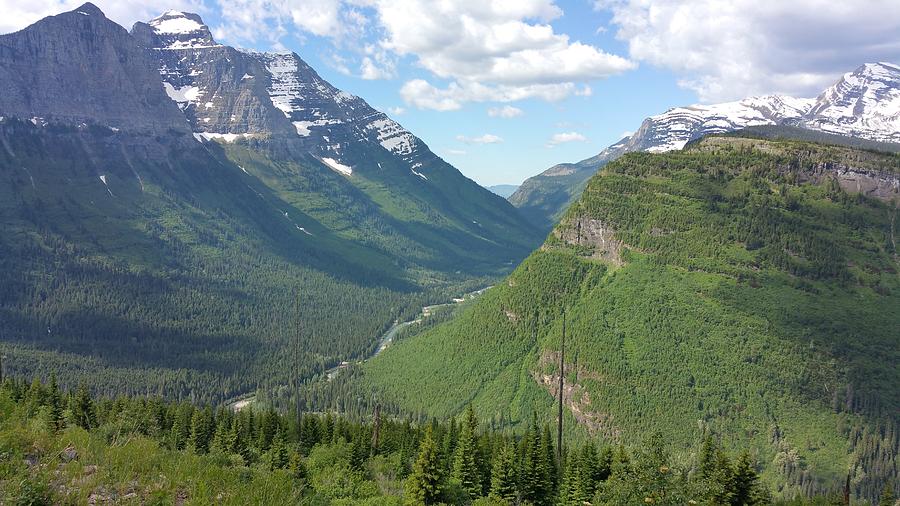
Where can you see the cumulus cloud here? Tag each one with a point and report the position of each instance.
(396, 111)
(500, 51)
(728, 50)
(456, 152)
(18, 14)
(507, 111)
(481, 139)
(565, 137)
(422, 94)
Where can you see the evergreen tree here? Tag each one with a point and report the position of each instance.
(887, 495)
(54, 404)
(328, 428)
(278, 452)
(503, 474)
(587, 476)
(236, 441)
(425, 484)
(268, 426)
(201, 430)
(533, 481)
(744, 480)
(466, 468)
(448, 445)
(569, 490)
(359, 451)
(221, 441)
(83, 413)
(181, 426)
(548, 461)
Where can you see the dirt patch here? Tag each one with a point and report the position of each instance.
(575, 396)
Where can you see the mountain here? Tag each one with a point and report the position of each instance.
(864, 103)
(185, 218)
(504, 190)
(742, 288)
(279, 106)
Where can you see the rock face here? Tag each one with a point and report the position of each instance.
(594, 234)
(864, 103)
(81, 67)
(223, 91)
(220, 89)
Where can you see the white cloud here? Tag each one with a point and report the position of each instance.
(728, 50)
(507, 111)
(489, 49)
(565, 137)
(481, 139)
(626, 133)
(18, 14)
(396, 111)
(424, 95)
(456, 152)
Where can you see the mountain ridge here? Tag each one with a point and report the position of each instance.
(863, 103)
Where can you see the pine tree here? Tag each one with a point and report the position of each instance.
(201, 430)
(744, 480)
(586, 479)
(83, 413)
(568, 490)
(548, 462)
(533, 481)
(503, 474)
(221, 441)
(448, 445)
(237, 442)
(54, 403)
(268, 426)
(181, 426)
(887, 495)
(278, 452)
(466, 468)
(424, 485)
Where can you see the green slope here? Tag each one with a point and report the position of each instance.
(734, 288)
(205, 271)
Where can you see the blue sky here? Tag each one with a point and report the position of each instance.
(564, 78)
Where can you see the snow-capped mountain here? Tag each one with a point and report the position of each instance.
(676, 127)
(168, 107)
(229, 93)
(864, 103)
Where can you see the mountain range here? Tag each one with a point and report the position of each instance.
(188, 218)
(742, 289)
(864, 103)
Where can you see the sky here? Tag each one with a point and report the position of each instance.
(504, 89)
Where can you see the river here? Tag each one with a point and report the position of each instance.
(384, 341)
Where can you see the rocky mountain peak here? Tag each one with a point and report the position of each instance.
(863, 103)
(89, 9)
(174, 30)
(80, 67)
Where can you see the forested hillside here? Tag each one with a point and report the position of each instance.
(145, 249)
(742, 288)
(60, 446)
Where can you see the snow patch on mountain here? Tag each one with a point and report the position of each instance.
(183, 95)
(338, 166)
(285, 88)
(175, 22)
(392, 136)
